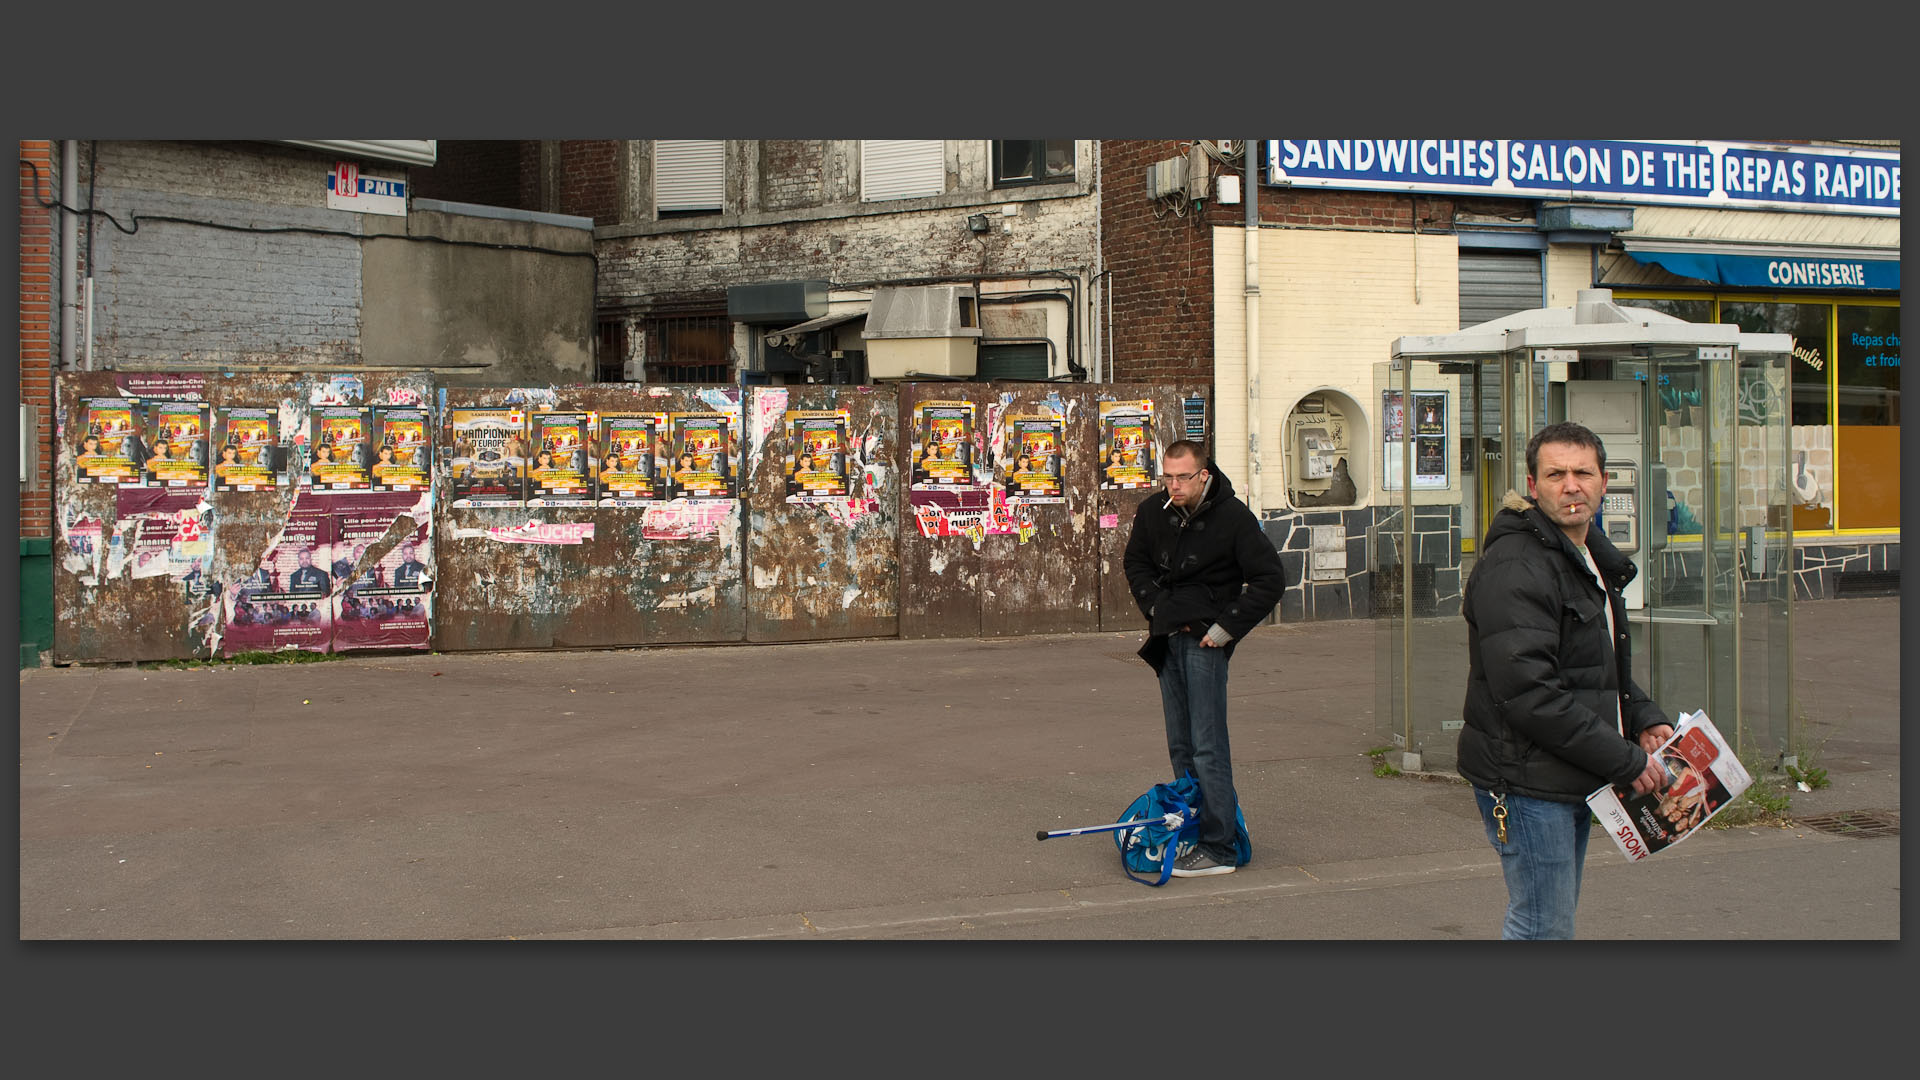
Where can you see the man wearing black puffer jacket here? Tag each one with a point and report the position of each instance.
(1552, 712)
(1204, 574)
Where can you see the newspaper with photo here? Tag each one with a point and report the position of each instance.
(1704, 776)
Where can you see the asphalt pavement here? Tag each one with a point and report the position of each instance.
(872, 789)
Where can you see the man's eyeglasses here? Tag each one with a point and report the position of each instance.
(1181, 477)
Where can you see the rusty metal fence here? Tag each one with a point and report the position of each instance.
(208, 514)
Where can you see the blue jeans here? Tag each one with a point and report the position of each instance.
(1193, 692)
(1545, 851)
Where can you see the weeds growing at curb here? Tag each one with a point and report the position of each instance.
(283, 656)
(1381, 766)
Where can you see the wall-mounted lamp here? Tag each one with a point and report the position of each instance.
(977, 223)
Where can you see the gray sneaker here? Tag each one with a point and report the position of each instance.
(1197, 863)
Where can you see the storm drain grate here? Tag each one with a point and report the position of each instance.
(1860, 824)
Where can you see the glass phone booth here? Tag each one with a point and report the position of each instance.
(1695, 420)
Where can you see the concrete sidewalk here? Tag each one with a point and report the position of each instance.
(865, 789)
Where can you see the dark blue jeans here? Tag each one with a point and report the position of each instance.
(1193, 691)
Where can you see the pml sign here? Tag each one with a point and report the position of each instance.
(1748, 176)
(348, 190)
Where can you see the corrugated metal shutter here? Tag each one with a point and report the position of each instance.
(689, 174)
(902, 168)
(1493, 284)
(1496, 283)
(1011, 362)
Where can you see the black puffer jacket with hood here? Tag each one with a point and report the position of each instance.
(1193, 570)
(1542, 681)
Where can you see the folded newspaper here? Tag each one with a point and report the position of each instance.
(1704, 777)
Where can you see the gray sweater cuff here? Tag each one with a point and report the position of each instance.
(1218, 635)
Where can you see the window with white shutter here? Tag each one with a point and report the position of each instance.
(689, 176)
(902, 168)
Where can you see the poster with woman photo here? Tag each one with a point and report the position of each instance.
(176, 444)
(703, 456)
(943, 446)
(627, 445)
(1129, 458)
(402, 454)
(110, 450)
(1035, 451)
(248, 455)
(816, 454)
(338, 454)
(561, 473)
(485, 456)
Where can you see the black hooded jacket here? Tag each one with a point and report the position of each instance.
(1542, 682)
(1214, 565)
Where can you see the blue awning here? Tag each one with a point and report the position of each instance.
(1833, 271)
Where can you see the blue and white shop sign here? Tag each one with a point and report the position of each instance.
(1725, 175)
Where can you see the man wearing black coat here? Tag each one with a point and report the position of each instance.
(1552, 712)
(1204, 574)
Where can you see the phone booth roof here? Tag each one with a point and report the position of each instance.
(1593, 322)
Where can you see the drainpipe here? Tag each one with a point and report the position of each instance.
(1099, 263)
(1249, 194)
(69, 251)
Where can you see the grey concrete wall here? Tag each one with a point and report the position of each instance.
(514, 297)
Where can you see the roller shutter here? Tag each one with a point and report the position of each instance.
(1496, 283)
(689, 174)
(902, 168)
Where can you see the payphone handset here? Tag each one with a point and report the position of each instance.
(1611, 409)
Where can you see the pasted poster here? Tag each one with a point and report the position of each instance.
(287, 601)
(337, 445)
(943, 445)
(487, 461)
(703, 456)
(1035, 450)
(402, 451)
(816, 454)
(176, 445)
(388, 604)
(249, 455)
(1429, 417)
(110, 449)
(1129, 458)
(561, 473)
(629, 472)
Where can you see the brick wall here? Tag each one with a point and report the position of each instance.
(1048, 235)
(210, 288)
(1160, 267)
(792, 172)
(487, 172)
(589, 179)
(39, 323)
